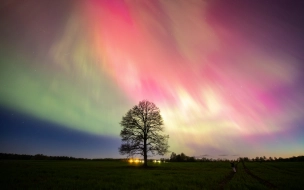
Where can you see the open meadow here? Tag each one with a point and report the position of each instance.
(51, 174)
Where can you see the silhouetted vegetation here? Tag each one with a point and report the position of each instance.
(7, 156)
(173, 158)
(142, 131)
(274, 159)
(181, 158)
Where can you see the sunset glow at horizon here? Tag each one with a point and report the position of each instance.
(227, 77)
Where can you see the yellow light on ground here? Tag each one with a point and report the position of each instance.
(136, 161)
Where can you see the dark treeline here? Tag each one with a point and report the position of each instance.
(173, 158)
(181, 158)
(184, 158)
(273, 159)
(7, 156)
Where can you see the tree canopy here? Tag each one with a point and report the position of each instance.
(143, 131)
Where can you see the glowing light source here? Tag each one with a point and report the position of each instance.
(136, 161)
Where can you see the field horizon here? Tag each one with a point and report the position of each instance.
(14, 156)
(115, 174)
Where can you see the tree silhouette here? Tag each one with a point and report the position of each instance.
(143, 131)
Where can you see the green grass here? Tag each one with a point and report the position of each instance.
(242, 180)
(122, 175)
(284, 175)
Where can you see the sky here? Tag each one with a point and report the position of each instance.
(227, 75)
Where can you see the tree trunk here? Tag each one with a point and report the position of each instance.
(145, 152)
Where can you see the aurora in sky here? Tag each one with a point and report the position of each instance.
(227, 75)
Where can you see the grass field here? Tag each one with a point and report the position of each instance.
(122, 175)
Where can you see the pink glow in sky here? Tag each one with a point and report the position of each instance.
(226, 76)
(211, 83)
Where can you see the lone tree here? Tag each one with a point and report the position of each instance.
(143, 131)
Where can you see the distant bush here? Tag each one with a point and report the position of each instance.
(181, 158)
